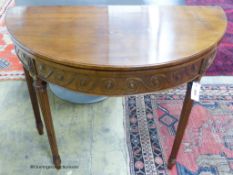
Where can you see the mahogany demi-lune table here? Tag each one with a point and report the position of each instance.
(114, 51)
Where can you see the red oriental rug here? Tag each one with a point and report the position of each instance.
(207, 147)
(223, 63)
(10, 66)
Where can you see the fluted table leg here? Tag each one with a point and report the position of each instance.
(184, 117)
(41, 89)
(35, 105)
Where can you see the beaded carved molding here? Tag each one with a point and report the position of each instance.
(115, 83)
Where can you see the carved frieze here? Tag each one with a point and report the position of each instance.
(114, 83)
(207, 61)
(110, 83)
(27, 61)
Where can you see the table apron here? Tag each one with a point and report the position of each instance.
(115, 83)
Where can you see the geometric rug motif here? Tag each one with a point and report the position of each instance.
(10, 66)
(207, 146)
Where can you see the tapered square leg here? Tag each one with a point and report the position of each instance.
(35, 105)
(41, 90)
(184, 117)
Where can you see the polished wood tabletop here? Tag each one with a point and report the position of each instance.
(114, 51)
(117, 37)
(117, 50)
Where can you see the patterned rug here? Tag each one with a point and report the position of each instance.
(207, 147)
(223, 63)
(10, 66)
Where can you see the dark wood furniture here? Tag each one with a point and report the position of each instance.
(114, 51)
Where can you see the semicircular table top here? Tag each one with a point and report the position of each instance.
(117, 37)
(114, 51)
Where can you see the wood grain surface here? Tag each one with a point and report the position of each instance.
(117, 37)
(116, 50)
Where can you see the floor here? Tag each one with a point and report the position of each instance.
(91, 138)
